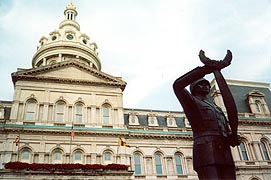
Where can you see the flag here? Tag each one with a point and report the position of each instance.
(17, 140)
(72, 133)
(122, 143)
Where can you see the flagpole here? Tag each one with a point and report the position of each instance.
(72, 133)
(18, 152)
(119, 144)
(17, 143)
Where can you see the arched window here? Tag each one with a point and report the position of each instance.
(106, 113)
(25, 155)
(254, 178)
(264, 150)
(158, 163)
(57, 156)
(108, 157)
(31, 108)
(137, 163)
(60, 111)
(78, 157)
(243, 151)
(178, 163)
(78, 113)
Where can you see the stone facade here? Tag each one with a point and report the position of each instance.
(66, 90)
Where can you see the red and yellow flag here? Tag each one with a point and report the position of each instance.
(122, 143)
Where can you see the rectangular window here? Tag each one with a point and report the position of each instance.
(105, 115)
(60, 112)
(78, 114)
(178, 164)
(243, 152)
(59, 117)
(264, 150)
(158, 164)
(29, 116)
(137, 164)
(30, 111)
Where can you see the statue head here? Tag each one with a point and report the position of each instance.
(199, 86)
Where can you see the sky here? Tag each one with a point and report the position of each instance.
(149, 43)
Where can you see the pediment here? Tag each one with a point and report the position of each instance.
(69, 72)
(256, 93)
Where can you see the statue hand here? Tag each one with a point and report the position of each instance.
(215, 64)
(235, 140)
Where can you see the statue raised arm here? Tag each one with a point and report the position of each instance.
(213, 134)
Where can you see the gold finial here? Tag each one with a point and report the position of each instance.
(71, 6)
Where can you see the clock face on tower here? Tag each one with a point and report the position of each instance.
(69, 36)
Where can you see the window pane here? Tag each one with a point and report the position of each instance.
(78, 109)
(137, 159)
(78, 113)
(30, 111)
(105, 111)
(265, 153)
(31, 107)
(159, 169)
(60, 107)
(178, 164)
(258, 106)
(29, 116)
(133, 119)
(57, 156)
(60, 117)
(106, 120)
(78, 118)
(25, 155)
(78, 156)
(137, 169)
(243, 152)
(107, 156)
(137, 164)
(158, 164)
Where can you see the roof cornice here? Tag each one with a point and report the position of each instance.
(31, 75)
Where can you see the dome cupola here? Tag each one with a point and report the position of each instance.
(67, 43)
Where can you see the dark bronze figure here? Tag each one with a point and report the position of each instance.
(213, 134)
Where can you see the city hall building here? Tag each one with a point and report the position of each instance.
(65, 110)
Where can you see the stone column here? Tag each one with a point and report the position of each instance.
(59, 57)
(14, 111)
(149, 165)
(120, 118)
(45, 112)
(41, 157)
(93, 115)
(169, 165)
(44, 61)
(36, 118)
(250, 152)
(190, 168)
(256, 149)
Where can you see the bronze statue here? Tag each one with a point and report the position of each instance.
(213, 134)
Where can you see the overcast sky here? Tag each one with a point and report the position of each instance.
(149, 43)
